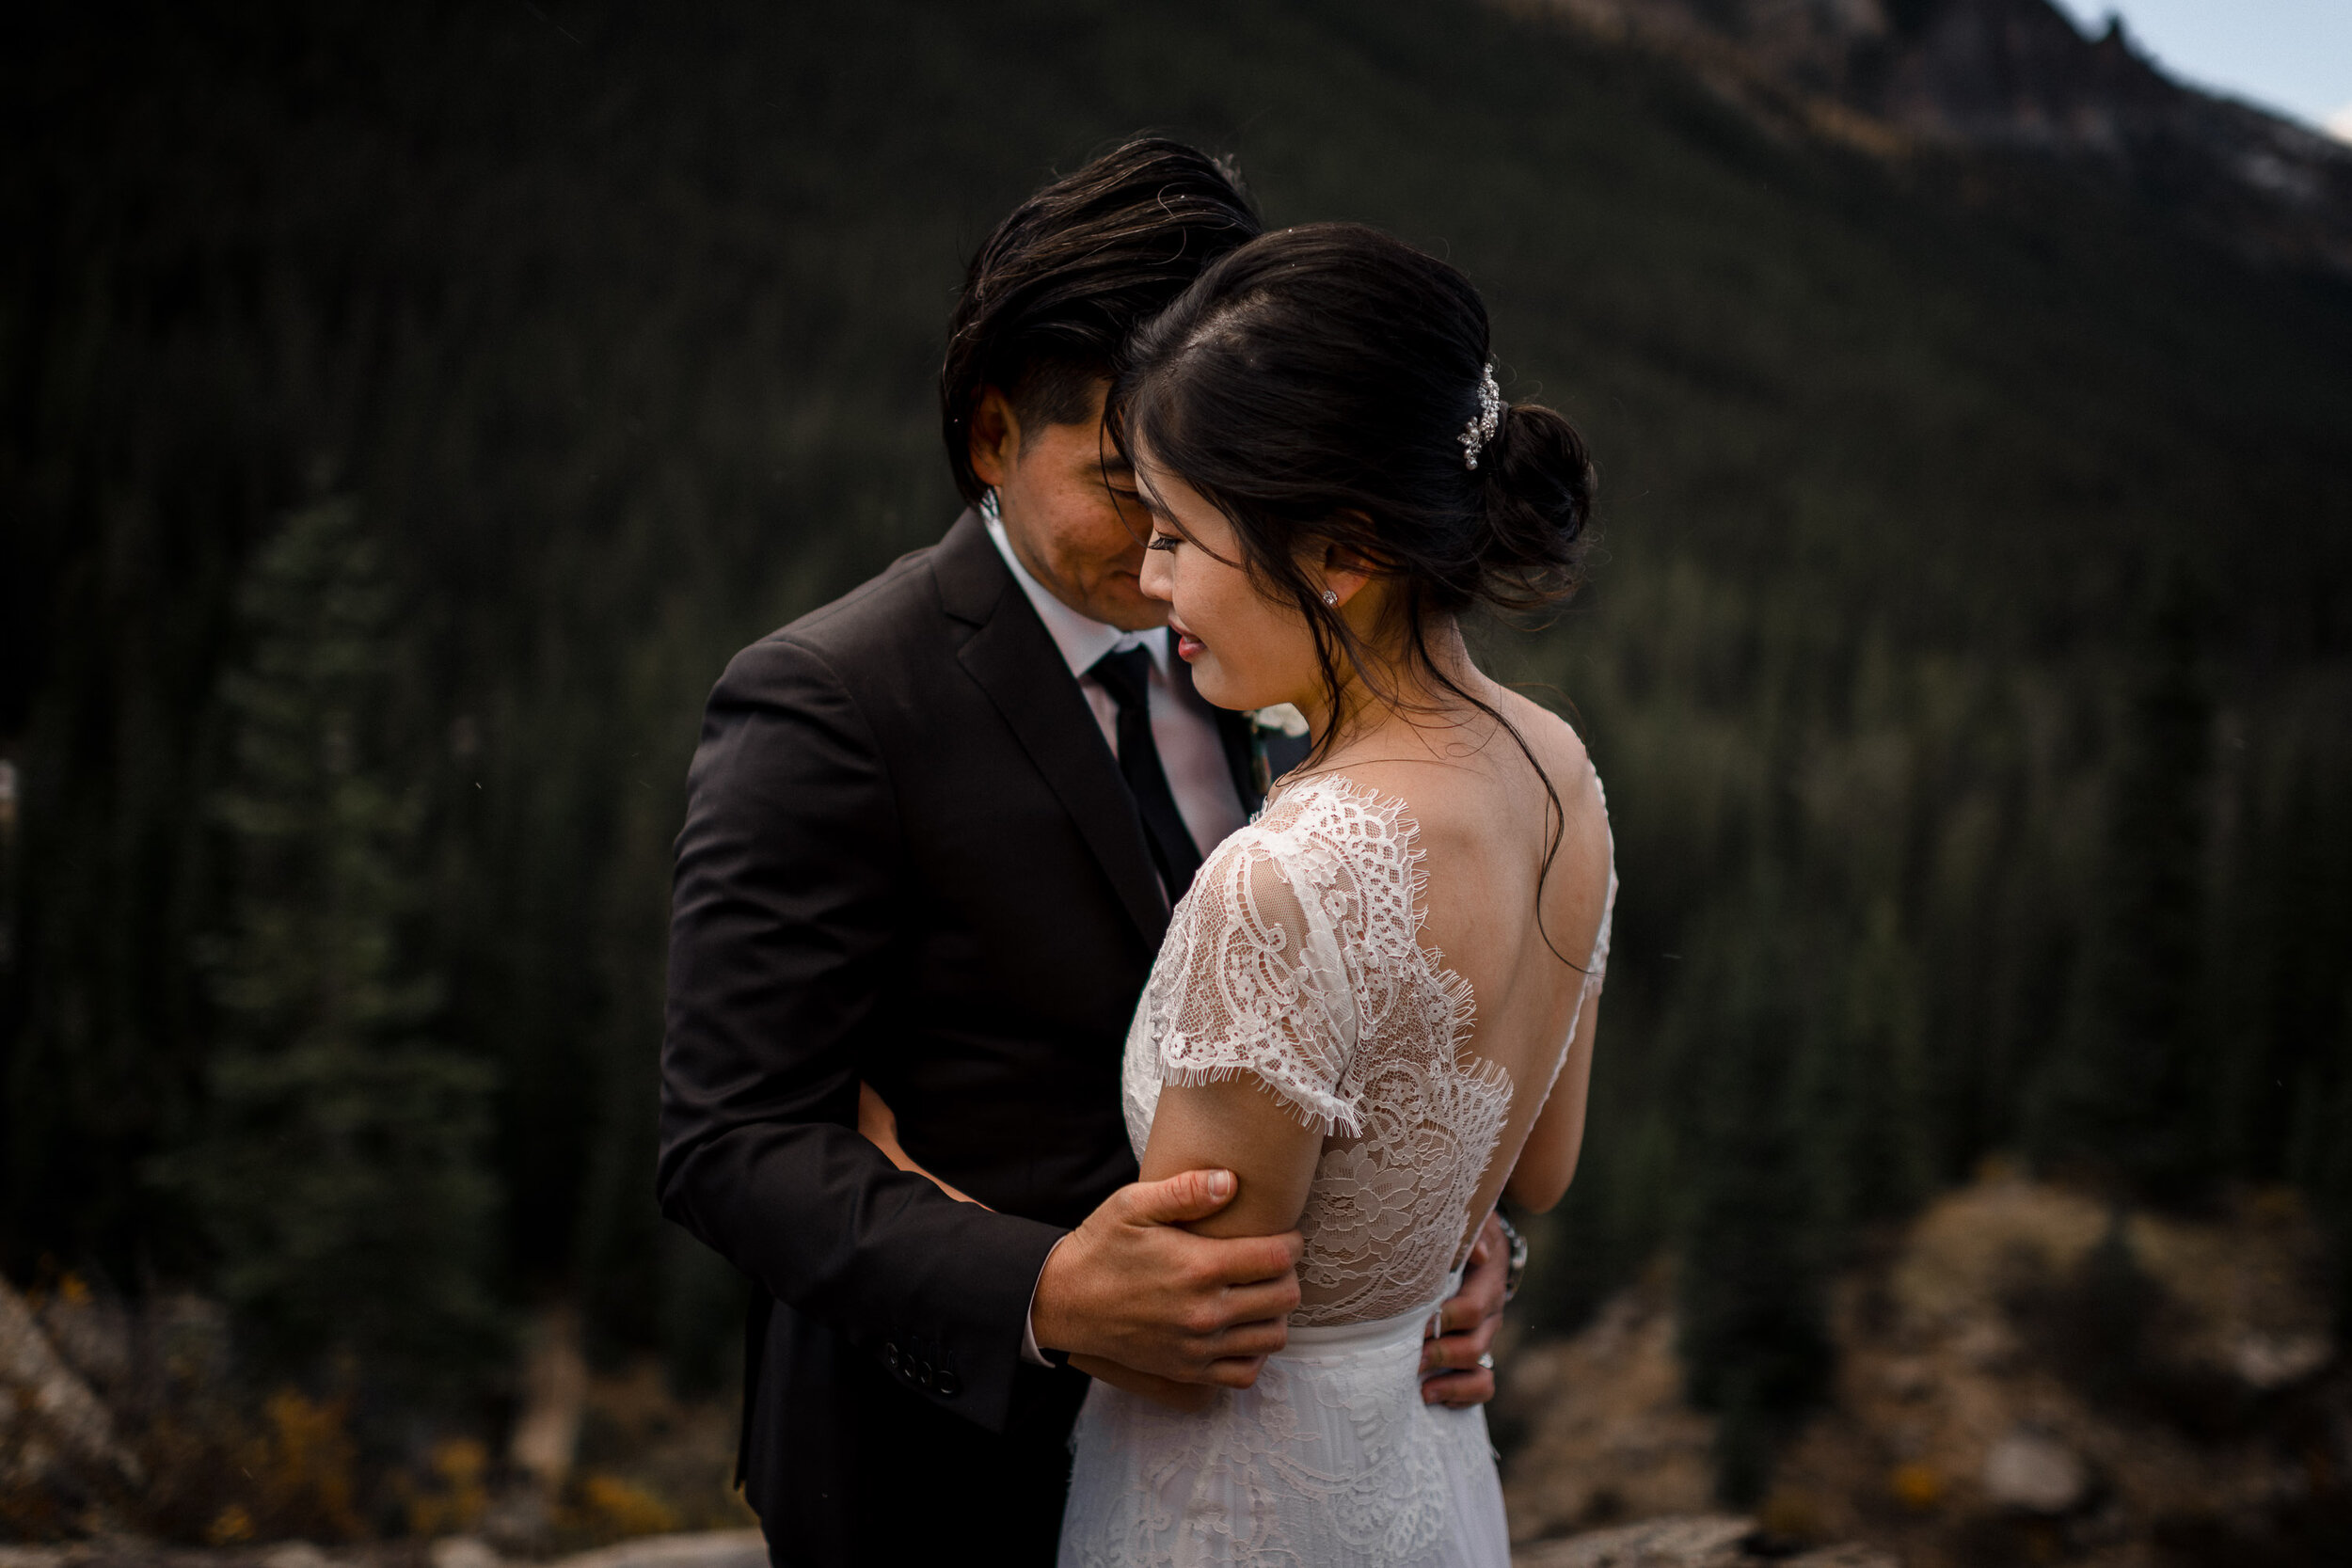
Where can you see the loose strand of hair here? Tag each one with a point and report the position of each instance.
(1555, 810)
(1330, 628)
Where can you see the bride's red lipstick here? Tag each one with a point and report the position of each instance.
(1187, 646)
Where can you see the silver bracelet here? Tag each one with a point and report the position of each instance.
(1518, 1257)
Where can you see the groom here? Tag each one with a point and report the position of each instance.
(933, 833)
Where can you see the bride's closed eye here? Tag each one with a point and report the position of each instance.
(1161, 540)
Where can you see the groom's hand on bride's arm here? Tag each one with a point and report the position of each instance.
(1130, 1285)
(1456, 1363)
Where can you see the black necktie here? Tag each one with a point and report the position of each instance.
(1124, 675)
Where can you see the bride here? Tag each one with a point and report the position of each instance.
(1377, 1004)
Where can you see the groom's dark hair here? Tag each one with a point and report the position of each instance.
(1052, 296)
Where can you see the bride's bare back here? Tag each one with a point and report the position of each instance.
(1366, 1010)
(1523, 938)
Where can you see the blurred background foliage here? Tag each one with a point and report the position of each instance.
(450, 389)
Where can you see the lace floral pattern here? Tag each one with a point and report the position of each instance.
(1296, 958)
(1331, 1458)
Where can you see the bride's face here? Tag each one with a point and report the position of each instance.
(1248, 649)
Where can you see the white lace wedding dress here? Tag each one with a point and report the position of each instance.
(1296, 958)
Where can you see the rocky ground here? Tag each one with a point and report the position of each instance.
(741, 1548)
(1702, 1540)
(2025, 1377)
(123, 1425)
(1709, 1541)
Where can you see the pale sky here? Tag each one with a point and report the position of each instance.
(2293, 56)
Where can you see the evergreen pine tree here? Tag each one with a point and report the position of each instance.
(2291, 925)
(1754, 1342)
(2123, 1097)
(342, 1180)
(1862, 1084)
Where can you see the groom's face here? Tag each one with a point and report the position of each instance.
(1070, 509)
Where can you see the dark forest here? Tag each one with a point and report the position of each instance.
(407, 410)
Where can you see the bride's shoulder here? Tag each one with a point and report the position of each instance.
(1348, 805)
(1553, 739)
(1567, 765)
(1320, 829)
(1452, 801)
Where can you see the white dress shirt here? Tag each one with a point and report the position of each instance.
(1191, 753)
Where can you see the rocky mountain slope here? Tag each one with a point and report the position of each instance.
(1898, 76)
(2025, 1375)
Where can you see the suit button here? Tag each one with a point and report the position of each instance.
(890, 1356)
(922, 1374)
(949, 1384)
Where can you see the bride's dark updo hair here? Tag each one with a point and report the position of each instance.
(1315, 386)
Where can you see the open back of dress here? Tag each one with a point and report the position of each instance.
(1296, 958)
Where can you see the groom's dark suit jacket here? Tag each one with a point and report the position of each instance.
(909, 857)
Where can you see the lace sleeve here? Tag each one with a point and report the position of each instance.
(1262, 982)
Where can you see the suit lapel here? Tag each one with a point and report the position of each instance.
(1016, 663)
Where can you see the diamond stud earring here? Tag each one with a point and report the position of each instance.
(1331, 597)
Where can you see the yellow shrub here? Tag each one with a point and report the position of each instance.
(610, 1508)
(460, 1493)
(232, 1526)
(301, 1467)
(1916, 1488)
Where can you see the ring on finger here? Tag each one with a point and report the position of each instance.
(1488, 1360)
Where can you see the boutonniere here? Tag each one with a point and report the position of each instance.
(1281, 719)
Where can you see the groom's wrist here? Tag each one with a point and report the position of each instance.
(1031, 1351)
(1060, 1308)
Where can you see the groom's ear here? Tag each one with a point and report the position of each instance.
(995, 440)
